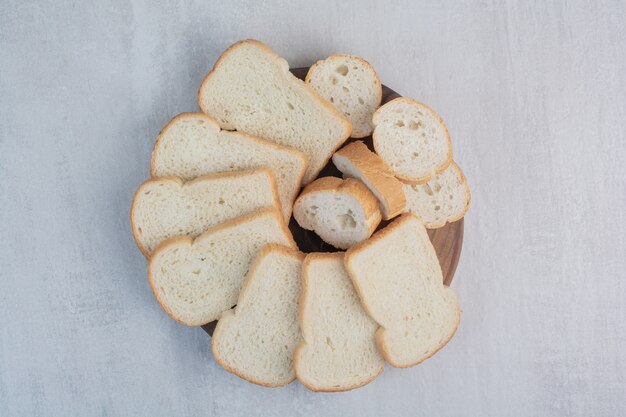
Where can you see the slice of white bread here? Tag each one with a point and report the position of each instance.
(256, 340)
(192, 145)
(398, 278)
(412, 139)
(357, 161)
(443, 199)
(351, 84)
(341, 212)
(168, 207)
(338, 352)
(250, 89)
(196, 280)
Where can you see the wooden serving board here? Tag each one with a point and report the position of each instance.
(447, 240)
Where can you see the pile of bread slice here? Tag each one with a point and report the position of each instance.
(213, 221)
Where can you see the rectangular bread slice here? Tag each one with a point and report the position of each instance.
(338, 352)
(250, 89)
(196, 280)
(192, 145)
(256, 340)
(357, 161)
(168, 207)
(398, 278)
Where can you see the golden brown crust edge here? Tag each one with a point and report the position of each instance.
(440, 168)
(373, 169)
(190, 242)
(379, 90)
(301, 316)
(340, 117)
(232, 313)
(181, 183)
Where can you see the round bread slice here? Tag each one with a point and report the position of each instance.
(357, 161)
(443, 199)
(341, 212)
(412, 139)
(351, 84)
(256, 340)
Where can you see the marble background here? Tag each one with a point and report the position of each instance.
(534, 95)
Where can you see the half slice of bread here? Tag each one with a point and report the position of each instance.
(412, 139)
(398, 278)
(195, 281)
(357, 161)
(351, 85)
(168, 207)
(250, 89)
(192, 145)
(341, 212)
(338, 352)
(443, 199)
(256, 340)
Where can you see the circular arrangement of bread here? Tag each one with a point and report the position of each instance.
(240, 190)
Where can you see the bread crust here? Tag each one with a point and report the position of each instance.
(232, 313)
(182, 184)
(440, 168)
(208, 119)
(379, 333)
(376, 172)
(188, 241)
(338, 115)
(301, 314)
(378, 84)
(352, 187)
(468, 199)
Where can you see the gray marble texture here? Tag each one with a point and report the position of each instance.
(534, 95)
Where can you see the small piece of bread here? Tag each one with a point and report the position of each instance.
(398, 278)
(412, 139)
(250, 89)
(351, 85)
(357, 161)
(192, 145)
(341, 212)
(338, 352)
(256, 340)
(443, 199)
(168, 207)
(195, 281)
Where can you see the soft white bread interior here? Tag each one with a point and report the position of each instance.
(357, 161)
(256, 340)
(168, 207)
(338, 352)
(398, 278)
(195, 281)
(192, 145)
(351, 84)
(250, 89)
(445, 198)
(341, 212)
(412, 139)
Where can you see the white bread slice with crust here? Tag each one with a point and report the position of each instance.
(250, 89)
(166, 207)
(357, 161)
(256, 340)
(445, 198)
(338, 352)
(341, 212)
(196, 280)
(398, 278)
(412, 139)
(193, 145)
(352, 85)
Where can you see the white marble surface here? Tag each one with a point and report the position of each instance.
(534, 94)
